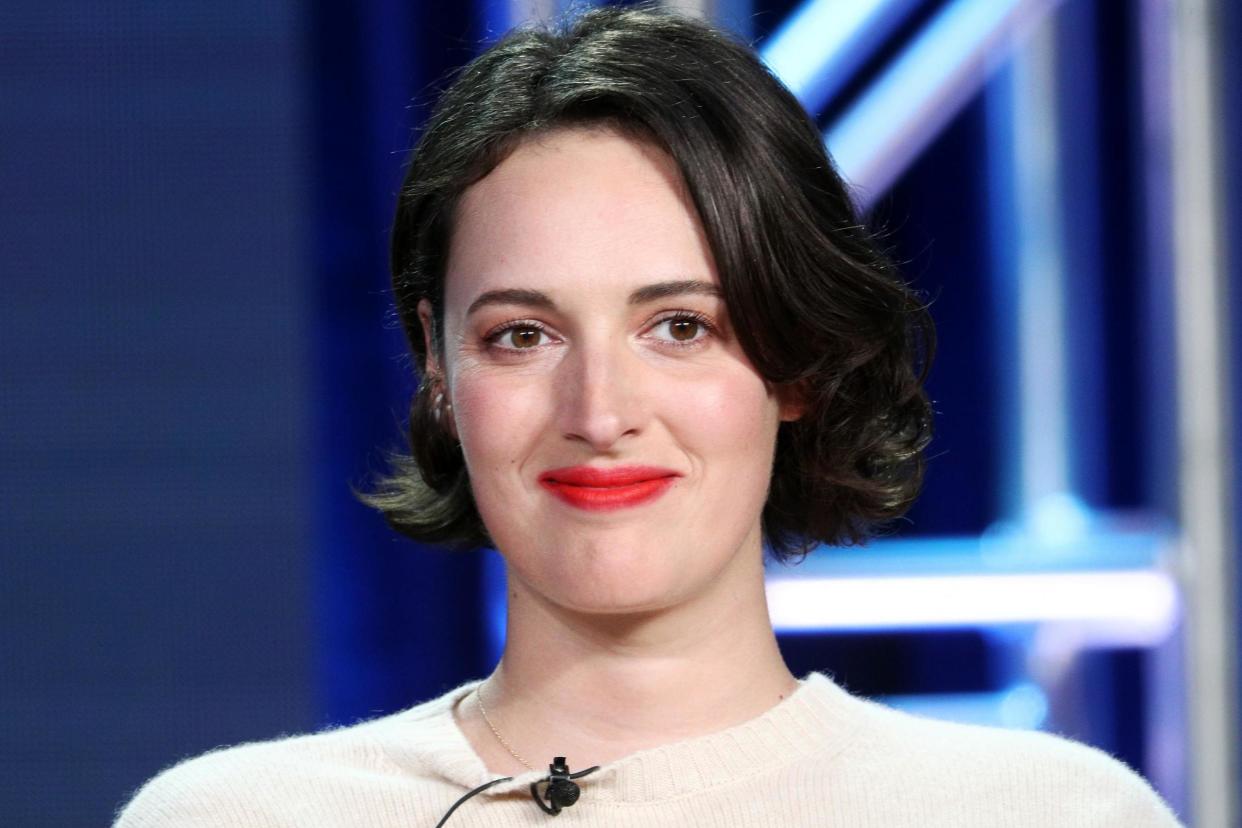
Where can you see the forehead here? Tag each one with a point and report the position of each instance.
(574, 207)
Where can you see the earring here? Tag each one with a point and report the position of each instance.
(439, 407)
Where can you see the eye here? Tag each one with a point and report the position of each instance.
(517, 336)
(682, 328)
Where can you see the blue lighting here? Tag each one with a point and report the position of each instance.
(823, 42)
(905, 107)
(496, 600)
(1023, 706)
(1105, 575)
(1137, 608)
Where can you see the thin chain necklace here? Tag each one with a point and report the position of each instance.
(478, 695)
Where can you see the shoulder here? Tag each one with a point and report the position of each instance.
(1018, 777)
(248, 784)
(207, 790)
(287, 781)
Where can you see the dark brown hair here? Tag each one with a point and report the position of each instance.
(817, 306)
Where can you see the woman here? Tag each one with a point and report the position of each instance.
(654, 338)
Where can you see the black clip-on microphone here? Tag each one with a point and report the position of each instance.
(562, 791)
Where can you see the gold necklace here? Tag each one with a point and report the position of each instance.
(478, 696)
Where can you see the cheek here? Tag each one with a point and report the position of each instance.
(731, 412)
(497, 422)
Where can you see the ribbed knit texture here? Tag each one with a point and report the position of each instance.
(819, 758)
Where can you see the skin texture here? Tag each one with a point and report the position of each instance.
(639, 626)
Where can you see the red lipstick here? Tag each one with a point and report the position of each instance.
(599, 490)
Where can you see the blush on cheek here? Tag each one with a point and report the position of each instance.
(497, 423)
(736, 413)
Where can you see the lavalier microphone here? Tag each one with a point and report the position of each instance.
(560, 792)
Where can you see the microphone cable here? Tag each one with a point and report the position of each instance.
(561, 791)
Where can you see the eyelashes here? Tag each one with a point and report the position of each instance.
(700, 321)
(522, 326)
(529, 332)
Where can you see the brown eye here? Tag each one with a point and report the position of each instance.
(524, 337)
(683, 330)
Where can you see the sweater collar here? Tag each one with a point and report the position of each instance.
(818, 719)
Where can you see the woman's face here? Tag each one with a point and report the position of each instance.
(618, 441)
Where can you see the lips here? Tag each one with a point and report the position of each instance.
(597, 489)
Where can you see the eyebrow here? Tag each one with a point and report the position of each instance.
(641, 296)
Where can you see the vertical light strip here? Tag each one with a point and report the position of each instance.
(734, 15)
(1168, 726)
(1043, 439)
(1203, 420)
(694, 8)
(534, 11)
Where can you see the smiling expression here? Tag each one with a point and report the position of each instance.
(618, 441)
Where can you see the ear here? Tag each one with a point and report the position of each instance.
(442, 405)
(431, 364)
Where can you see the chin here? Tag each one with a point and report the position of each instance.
(622, 599)
(612, 579)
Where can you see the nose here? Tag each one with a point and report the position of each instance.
(600, 399)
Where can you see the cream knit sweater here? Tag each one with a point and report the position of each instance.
(819, 758)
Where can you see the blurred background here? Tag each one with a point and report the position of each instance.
(200, 357)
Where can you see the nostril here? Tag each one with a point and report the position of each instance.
(597, 405)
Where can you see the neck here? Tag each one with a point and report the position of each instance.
(597, 688)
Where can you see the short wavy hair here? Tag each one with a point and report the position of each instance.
(818, 308)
